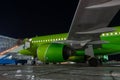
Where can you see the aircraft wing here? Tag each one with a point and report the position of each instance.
(91, 19)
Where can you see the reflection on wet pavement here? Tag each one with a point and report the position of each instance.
(59, 72)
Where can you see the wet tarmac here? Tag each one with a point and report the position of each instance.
(59, 72)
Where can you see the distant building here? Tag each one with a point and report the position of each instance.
(7, 42)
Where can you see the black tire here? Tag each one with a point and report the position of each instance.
(23, 63)
(54, 63)
(100, 61)
(93, 62)
(16, 63)
(33, 62)
(47, 63)
(3, 64)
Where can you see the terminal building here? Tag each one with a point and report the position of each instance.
(7, 43)
(9, 48)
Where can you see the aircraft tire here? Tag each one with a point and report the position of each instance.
(33, 62)
(54, 63)
(100, 61)
(93, 62)
(46, 63)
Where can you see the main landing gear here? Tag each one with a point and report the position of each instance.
(33, 62)
(90, 59)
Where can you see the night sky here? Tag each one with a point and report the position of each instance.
(29, 18)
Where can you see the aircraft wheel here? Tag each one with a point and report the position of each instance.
(54, 63)
(16, 63)
(47, 63)
(100, 61)
(33, 62)
(93, 62)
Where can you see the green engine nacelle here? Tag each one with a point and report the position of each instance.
(54, 52)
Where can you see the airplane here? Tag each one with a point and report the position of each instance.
(89, 36)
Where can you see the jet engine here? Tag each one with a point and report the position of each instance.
(54, 52)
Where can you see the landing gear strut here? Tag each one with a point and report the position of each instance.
(89, 56)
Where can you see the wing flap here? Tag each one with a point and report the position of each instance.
(97, 31)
